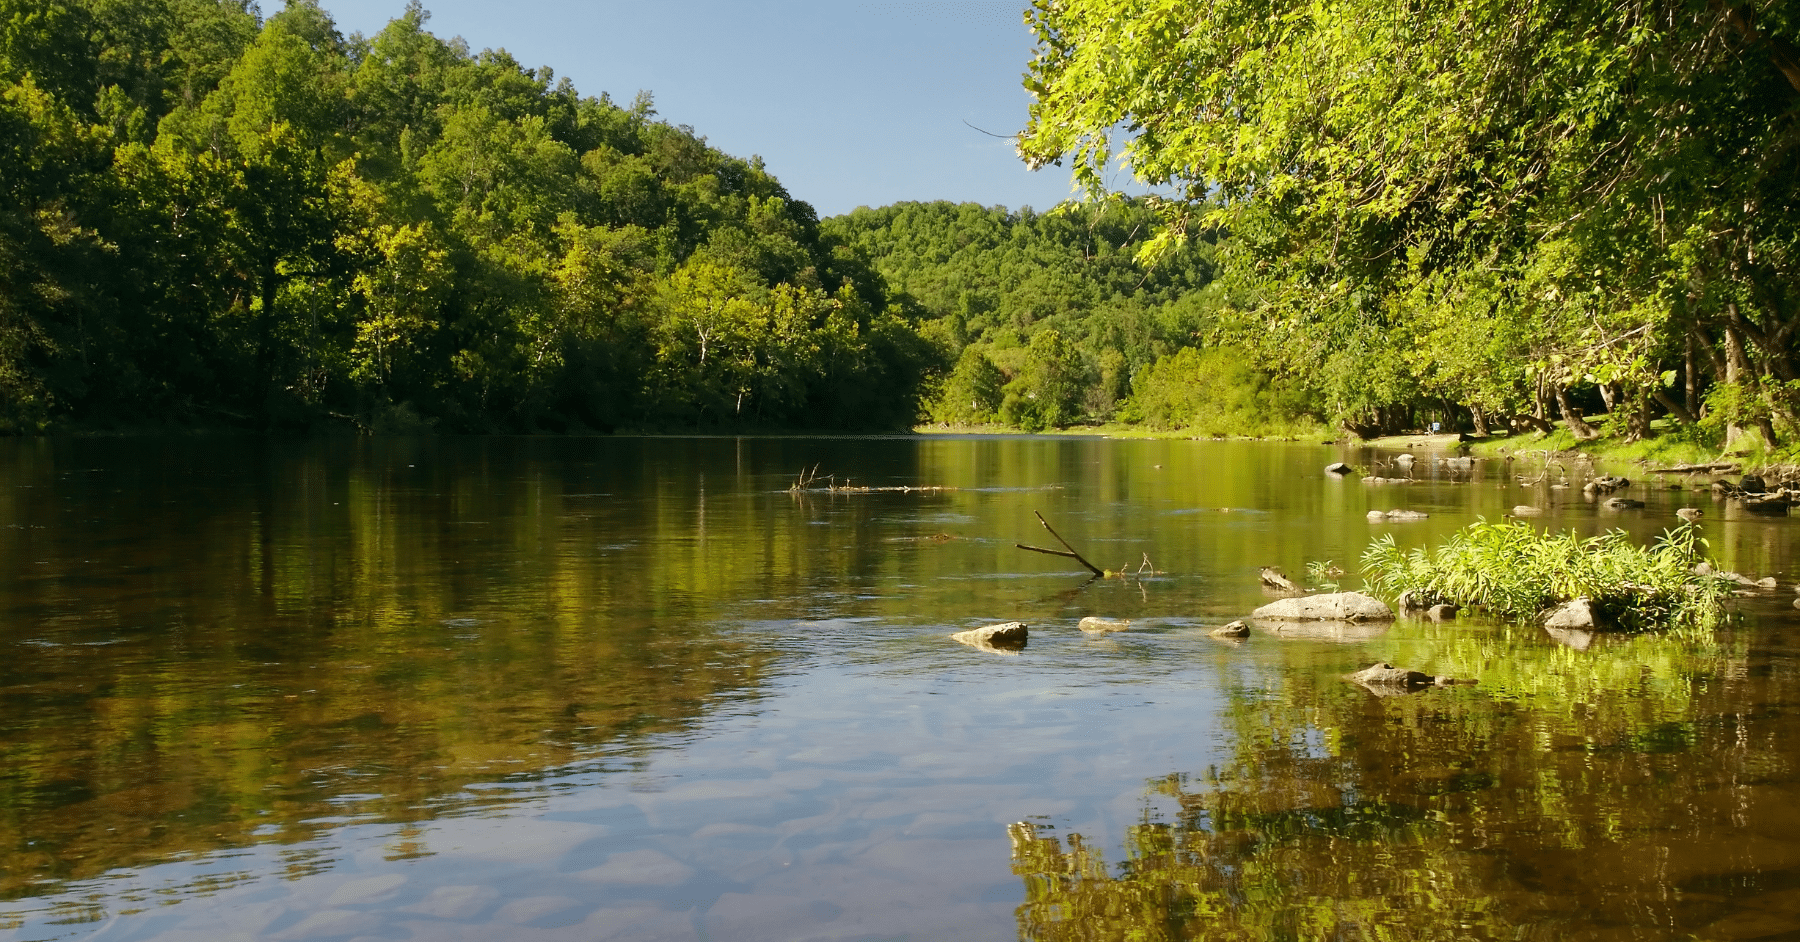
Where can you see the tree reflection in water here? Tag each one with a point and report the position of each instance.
(1641, 789)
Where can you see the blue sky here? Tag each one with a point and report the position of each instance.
(850, 102)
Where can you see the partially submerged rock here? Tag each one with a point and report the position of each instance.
(1576, 613)
(1332, 606)
(1385, 679)
(1605, 484)
(1235, 630)
(1374, 480)
(1623, 503)
(1410, 604)
(1376, 516)
(1526, 510)
(1339, 468)
(1690, 514)
(1443, 612)
(1273, 578)
(1343, 632)
(1095, 625)
(1005, 638)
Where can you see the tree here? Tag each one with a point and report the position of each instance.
(1627, 170)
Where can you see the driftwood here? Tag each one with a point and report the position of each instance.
(1071, 554)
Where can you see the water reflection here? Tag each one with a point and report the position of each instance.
(1642, 789)
(638, 688)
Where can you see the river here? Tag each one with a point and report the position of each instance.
(641, 689)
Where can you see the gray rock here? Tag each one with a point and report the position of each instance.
(1623, 503)
(1008, 637)
(1445, 612)
(1332, 606)
(1690, 514)
(1576, 613)
(1461, 464)
(1094, 625)
(1404, 461)
(1410, 605)
(1407, 515)
(1338, 468)
(1526, 510)
(1238, 629)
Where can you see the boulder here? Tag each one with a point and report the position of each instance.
(1526, 510)
(1410, 605)
(1006, 638)
(1690, 514)
(1445, 612)
(1753, 484)
(1236, 629)
(1338, 468)
(1407, 515)
(1404, 461)
(1332, 606)
(1095, 626)
(1623, 503)
(1605, 484)
(1460, 464)
(1774, 505)
(1576, 614)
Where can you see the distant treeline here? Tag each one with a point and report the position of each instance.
(1051, 319)
(211, 218)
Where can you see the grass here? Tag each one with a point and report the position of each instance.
(1513, 571)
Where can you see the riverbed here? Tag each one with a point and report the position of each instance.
(645, 689)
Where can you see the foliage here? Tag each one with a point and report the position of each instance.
(1521, 209)
(1513, 571)
(209, 217)
(1217, 392)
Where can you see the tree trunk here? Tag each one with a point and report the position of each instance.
(1737, 372)
(1676, 409)
(1572, 417)
(1479, 420)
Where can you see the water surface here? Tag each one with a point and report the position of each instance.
(639, 689)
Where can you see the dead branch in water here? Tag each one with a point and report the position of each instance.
(1071, 554)
(808, 482)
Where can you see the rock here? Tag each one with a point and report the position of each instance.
(1375, 480)
(1006, 638)
(1410, 604)
(1774, 506)
(1376, 516)
(1605, 484)
(1690, 514)
(1407, 515)
(1575, 614)
(1461, 464)
(1238, 629)
(1331, 606)
(1445, 612)
(1703, 568)
(1752, 484)
(1274, 579)
(1767, 582)
(1623, 503)
(1526, 510)
(1338, 468)
(1386, 680)
(1404, 461)
(1387, 675)
(1094, 625)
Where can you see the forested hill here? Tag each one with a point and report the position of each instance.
(1050, 318)
(211, 218)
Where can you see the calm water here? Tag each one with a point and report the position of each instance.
(636, 689)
